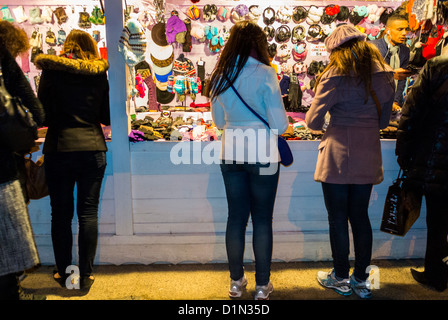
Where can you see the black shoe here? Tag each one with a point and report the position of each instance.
(420, 277)
(86, 283)
(61, 279)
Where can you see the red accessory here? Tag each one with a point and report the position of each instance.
(195, 1)
(429, 48)
(332, 10)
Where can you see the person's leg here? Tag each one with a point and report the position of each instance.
(436, 269)
(88, 194)
(61, 183)
(9, 287)
(336, 202)
(238, 199)
(263, 190)
(359, 197)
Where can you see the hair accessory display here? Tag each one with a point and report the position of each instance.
(283, 33)
(343, 14)
(254, 13)
(268, 16)
(284, 14)
(209, 12)
(272, 50)
(223, 14)
(330, 14)
(283, 52)
(315, 33)
(270, 32)
(314, 15)
(299, 51)
(239, 13)
(298, 34)
(194, 13)
(299, 14)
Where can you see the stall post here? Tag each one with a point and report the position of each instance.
(119, 121)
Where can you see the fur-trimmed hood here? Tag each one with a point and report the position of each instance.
(77, 66)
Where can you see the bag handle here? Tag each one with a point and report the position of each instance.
(252, 110)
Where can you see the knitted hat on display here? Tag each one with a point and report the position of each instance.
(132, 43)
(174, 25)
(158, 34)
(341, 35)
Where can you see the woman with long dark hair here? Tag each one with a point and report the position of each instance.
(357, 90)
(75, 93)
(250, 175)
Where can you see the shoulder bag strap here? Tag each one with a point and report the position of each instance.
(252, 110)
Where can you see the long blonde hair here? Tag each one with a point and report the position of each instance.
(355, 58)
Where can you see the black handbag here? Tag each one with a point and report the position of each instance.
(286, 157)
(18, 130)
(402, 207)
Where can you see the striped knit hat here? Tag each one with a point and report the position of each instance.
(132, 43)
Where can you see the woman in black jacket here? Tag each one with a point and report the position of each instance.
(422, 150)
(17, 247)
(74, 90)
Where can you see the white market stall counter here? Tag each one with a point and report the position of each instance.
(178, 212)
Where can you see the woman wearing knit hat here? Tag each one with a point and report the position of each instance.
(251, 183)
(75, 93)
(357, 89)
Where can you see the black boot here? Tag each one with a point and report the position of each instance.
(421, 278)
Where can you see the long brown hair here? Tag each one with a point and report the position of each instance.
(355, 58)
(246, 39)
(82, 44)
(14, 38)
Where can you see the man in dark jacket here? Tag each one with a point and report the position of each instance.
(422, 150)
(395, 52)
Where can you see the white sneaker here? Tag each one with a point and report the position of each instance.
(329, 280)
(237, 287)
(263, 292)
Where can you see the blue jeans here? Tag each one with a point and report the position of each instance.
(249, 193)
(64, 170)
(344, 203)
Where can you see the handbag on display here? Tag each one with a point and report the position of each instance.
(286, 157)
(18, 130)
(402, 207)
(36, 182)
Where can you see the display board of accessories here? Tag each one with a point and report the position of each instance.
(183, 40)
(47, 27)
